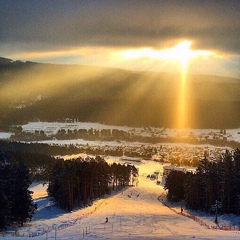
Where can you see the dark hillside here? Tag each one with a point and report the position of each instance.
(31, 91)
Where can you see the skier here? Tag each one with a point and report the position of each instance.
(106, 219)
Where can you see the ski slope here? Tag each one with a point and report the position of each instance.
(133, 214)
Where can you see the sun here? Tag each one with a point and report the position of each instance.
(181, 53)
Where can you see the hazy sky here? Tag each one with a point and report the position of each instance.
(100, 32)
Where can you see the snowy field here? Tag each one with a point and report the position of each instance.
(133, 214)
(52, 128)
(5, 135)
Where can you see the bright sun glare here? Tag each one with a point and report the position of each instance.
(181, 52)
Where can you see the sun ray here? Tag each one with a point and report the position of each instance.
(182, 100)
(180, 54)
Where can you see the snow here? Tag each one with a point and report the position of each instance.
(135, 213)
(39, 190)
(5, 135)
(52, 128)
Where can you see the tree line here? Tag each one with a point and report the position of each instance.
(37, 164)
(16, 204)
(78, 182)
(73, 183)
(213, 181)
(218, 139)
(40, 148)
(46, 149)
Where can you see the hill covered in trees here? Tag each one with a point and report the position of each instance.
(47, 92)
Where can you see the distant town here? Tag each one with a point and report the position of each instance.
(179, 148)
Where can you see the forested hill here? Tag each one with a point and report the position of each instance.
(48, 92)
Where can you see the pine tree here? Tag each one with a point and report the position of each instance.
(175, 186)
(78, 182)
(4, 198)
(22, 206)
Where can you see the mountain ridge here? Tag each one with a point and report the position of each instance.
(50, 92)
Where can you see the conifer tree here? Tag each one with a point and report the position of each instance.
(22, 206)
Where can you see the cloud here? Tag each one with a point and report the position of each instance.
(42, 25)
(94, 32)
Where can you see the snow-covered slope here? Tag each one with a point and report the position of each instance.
(133, 214)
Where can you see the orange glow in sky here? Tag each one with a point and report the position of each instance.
(179, 54)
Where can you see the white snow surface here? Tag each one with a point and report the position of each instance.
(135, 213)
(5, 135)
(51, 128)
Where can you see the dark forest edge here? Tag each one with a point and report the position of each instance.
(71, 184)
(77, 183)
(39, 154)
(16, 203)
(217, 181)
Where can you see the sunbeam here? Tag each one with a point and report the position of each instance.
(182, 101)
